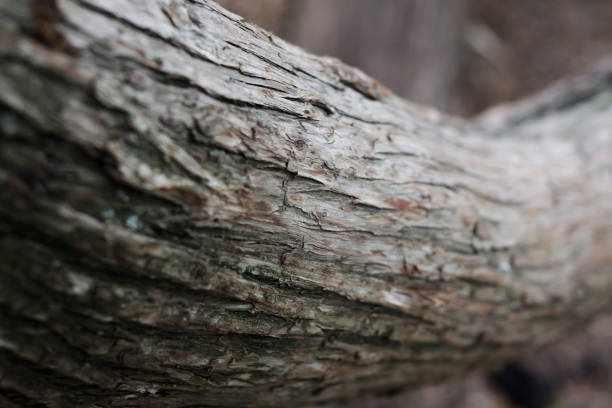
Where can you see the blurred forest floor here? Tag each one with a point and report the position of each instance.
(463, 56)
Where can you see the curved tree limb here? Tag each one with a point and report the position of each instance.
(198, 213)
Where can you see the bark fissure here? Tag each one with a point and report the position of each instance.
(196, 212)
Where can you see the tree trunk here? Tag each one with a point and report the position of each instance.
(196, 213)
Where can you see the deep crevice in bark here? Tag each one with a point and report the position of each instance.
(177, 233)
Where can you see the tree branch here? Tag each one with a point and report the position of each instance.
(196, 212)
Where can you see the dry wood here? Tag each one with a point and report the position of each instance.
(197, 213)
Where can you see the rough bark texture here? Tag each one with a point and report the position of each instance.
(196, 213)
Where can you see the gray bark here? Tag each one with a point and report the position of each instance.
(197, 213)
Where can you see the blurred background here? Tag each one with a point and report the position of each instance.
(458, 55)
(463, 56)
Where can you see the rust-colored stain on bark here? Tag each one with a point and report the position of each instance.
(45, 12)
(149, 247)
(184, 196)
(355, 79)
(403, 205)
(180, 356)
(262, 206)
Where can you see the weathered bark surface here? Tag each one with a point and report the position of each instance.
(196, 213)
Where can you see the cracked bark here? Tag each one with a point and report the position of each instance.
(197, 213)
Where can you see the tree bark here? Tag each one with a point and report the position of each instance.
(197, 213)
